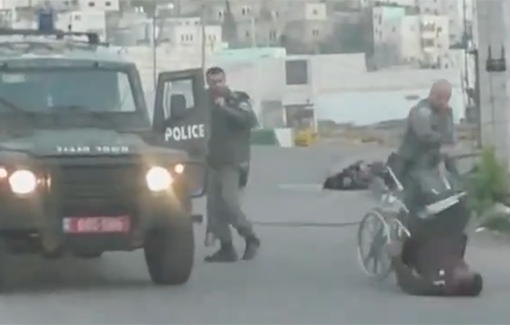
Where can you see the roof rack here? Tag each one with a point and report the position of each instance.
(93, 38)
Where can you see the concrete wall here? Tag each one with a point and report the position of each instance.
(333, 73)
(264, 77)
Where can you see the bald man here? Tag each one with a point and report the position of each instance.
(430, 125)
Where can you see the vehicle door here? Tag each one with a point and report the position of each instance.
(181, 116)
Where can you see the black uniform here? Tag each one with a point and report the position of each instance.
(427, 269)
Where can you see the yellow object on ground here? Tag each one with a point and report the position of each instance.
(305, 137)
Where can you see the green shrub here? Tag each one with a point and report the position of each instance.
(487, 186)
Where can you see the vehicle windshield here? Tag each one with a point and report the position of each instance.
(55, 91)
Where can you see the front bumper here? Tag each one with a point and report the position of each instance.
(90, 191)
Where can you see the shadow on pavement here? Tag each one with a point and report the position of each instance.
(33, 274)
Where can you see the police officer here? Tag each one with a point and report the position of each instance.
(232, 119)
(430, 127)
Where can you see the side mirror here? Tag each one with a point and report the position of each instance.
(177, 106)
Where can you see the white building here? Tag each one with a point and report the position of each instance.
(406, 3)
(386, 35)
(453, 9)
(450, 8)
(410, 39)
(308, 22)
(106, 5)
(425, 39)
(14, 4)
(187, 33)
(83, 21)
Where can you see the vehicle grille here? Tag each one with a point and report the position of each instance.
(96, 187)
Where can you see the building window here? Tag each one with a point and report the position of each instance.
(108, 3)
(428, 43)
(245, 11)
(315, 12)
(187, 37)
(272, 35)
(77, 17)
(428, 26)
(92, 4)
(276, 14)
(220, 14)
(66, 3)
(296, 72)
(247, 34)
(315, 32)
(74, 2)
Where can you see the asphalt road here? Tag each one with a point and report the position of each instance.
(306, 272)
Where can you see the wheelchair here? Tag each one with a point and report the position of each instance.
(387, 222)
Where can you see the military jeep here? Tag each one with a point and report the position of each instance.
(84, 168)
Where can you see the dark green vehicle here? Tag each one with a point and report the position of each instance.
(84, 169)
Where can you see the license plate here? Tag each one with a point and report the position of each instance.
(96, 225)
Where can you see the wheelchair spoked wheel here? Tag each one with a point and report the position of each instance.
(374, 234)
(397, 230)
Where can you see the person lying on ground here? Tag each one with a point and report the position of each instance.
(357, 176)
(451, 279)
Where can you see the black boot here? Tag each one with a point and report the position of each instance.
(252, 247)
(226, 254)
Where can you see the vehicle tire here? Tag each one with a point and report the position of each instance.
(376, 252)
(169, 251)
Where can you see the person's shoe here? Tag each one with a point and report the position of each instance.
(252, 247)
(226, 254)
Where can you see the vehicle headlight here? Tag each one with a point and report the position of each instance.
(158, 179)
(179, 168)
(23, 182)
